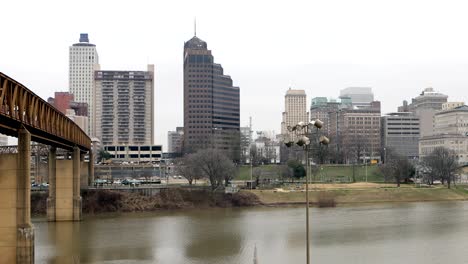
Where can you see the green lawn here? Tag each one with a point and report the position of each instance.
(328, 173)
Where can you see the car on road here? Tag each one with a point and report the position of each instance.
(131, 182)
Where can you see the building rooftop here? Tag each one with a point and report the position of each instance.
(84, 41)
(195, 43)
(295, 92)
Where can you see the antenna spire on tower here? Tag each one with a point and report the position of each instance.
(195, 26)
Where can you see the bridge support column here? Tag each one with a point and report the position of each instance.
(51, 200)
(76, 184)
(25, 230)
(91, 168)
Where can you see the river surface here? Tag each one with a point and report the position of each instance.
(380, 233)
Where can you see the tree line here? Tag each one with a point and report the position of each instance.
(440, 165)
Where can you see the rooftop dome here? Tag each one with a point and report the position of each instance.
(195, 43)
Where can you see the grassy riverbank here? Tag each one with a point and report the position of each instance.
(327, 173)
(323, 195)
(361, 193)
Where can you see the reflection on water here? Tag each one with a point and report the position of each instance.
(386, 233)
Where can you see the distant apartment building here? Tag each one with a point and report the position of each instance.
(355, 134)
(425, 106)
(360, 97)
(295, 110)
(450, 131)
(3, 140)
(124, 112)
(83, 57)
(400, 134)
(175, 140)
(211, 103)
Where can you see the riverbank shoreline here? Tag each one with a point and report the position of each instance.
(105, 201)
(369, 195)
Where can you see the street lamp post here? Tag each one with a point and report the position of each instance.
(301, 130)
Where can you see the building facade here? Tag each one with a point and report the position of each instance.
(361, 97)
(425, 106)
(3, 140)
(320, 108)
(83, 58)
(450, 131)
(451, 105)
(400, 134)
(452, 141)
(175, 140)
(124, 112)
(452, 120)
(355, 134)
(135, 153)
(211, 103)
(295, 110)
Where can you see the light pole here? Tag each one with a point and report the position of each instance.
(301, 130)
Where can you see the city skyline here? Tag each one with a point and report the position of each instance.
(320, 62)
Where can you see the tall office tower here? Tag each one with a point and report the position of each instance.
(361, 97)
(400, 134)
(175, 140)
(211, 103)
(355, 134)
(425, 106)
(295, 110)
(124, 112)
(82, 60)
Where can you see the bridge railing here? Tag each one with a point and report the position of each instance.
(20, 104)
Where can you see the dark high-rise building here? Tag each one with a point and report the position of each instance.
(211, 103)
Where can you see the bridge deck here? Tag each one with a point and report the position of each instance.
(20, 107)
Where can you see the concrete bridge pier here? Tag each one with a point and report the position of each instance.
(91, 168)
(16, 230)
(77, 209)
(52, 162)
(64, 201)
(25, 231)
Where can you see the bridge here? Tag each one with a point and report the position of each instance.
(26, 116)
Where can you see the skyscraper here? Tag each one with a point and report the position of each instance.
(361, 97)
(425, 106)
(211, 102)
(175, 140)
(295, 109)
(124, 112)
(82, 59)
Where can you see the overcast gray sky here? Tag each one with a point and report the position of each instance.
(396, 47)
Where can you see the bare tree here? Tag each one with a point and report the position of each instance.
(257, 173)
(215, 166)
(187, 168)
(397, 167)
(442, 164)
